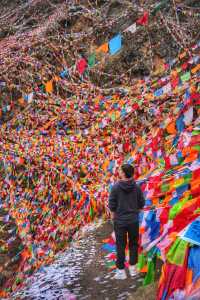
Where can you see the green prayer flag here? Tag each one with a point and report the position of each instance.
(197, 211)
(196, 147)
(195, 132)
(161, 162)
(159, 6)
(175, 210)
(113, 117)
(91, 60)
(110, 264)
(150, 276)
(91, 213)
(165, 187)
(186, 76)
(142, 261)
(177, 252)
(187, 178)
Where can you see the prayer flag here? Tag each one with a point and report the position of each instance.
(158, 93)
(49, 86)
(188, 116)
(131, 28)
(196, 69)
(167, 88)
(159, 6)
(144, 19)
(171, 127)
(103, 48)
(182, 55)
(81, 66)
(192, 233)
(91, 60)
(185, 77)
(115, 44)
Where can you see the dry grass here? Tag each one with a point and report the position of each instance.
(145, 293)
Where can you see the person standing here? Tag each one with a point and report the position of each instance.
(125, 202)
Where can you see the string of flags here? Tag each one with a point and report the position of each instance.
(82, 66)
(112, 47)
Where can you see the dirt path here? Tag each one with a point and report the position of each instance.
(80, 273)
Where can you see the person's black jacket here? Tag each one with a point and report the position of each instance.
(125, 200)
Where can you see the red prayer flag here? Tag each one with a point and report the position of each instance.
(81, 65)
(175, 82)
(144, 19)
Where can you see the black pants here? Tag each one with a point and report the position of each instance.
(121, 233)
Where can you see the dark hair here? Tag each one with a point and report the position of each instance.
(128, 170)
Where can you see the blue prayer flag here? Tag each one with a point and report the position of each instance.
(158, 93)
(180, 124)
(115, 44)
(192, 233)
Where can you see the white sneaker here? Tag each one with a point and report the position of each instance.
(133, 271)
(120, 274)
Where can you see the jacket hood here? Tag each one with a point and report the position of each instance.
(127, 186)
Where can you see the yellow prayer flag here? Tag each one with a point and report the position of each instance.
(178, 182)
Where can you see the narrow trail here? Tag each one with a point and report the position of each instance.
(80, 273)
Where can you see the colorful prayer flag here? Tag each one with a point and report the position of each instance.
(144, 19)
(49, 86)
(115, 44)
(91, 60)
(131, 28)
(81, 66)
(103, 48)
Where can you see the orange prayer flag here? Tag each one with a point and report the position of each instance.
(144, 269)
(155, 201)
(195, 184)
(167, 199)
(182, 55)
(186, 150)
(174, 74)
(173, 236)
(105, 165)
(192, 157)
(139, 141)
(149, 96)
(103, 48)
(195, 69)
(21, 101)
(171, 128)
(56, 78)
(142, 230)
(49, 86)
(3, 294)
(25, 254)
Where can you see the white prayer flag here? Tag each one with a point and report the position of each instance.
(131, 28)
(188, 116)
(167, 88)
